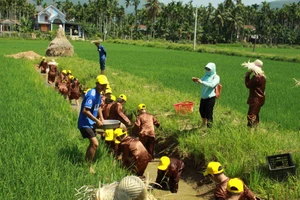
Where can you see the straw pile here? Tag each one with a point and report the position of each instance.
(129, 188)
(252, 67)
(297, 82)
(31, 55)
(60, 46)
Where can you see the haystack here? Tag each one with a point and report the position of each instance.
(60, 46)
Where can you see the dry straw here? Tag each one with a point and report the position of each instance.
(252, 67)
(297, 82)
(129, 188)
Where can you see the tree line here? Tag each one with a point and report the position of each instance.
(175, 21)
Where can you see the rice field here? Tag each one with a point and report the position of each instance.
(45, 161)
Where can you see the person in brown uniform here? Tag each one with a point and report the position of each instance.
(256, 85)
(43, 65)
(235, 188)
(61, 76)
(62, 83)
(52, 71)
(144, 125)
(106, 108)
(216, 172)
(105, 95)
(169, 168)
(116, 111)
(133, 153)
(74, 90)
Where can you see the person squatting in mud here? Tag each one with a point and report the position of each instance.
(216, 172)
(132, 153)
(168, 173)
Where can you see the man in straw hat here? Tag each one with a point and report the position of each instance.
(133, 153)
(216, 172)
(169, 168)
(256, 85)
(90, 116)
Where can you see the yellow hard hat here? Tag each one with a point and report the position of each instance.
(108, 91)
(109, 134)
(102, 79)
(43, 58)
(113, 97)
(123, 96)
(213, 168)
(69, 72)
(119, 132)
(64, 71)
(141, 106)
(235, 185)
(85, 91)
(72, 77)
(164, 163)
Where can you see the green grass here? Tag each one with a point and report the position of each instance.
(42, 150)
(159, 78)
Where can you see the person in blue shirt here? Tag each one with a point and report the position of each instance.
(90, 117)
(208, 95)
(102, 56)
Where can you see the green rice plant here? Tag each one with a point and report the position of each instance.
(42, 153)
(159, 78)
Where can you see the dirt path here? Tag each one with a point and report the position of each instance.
(189, 188)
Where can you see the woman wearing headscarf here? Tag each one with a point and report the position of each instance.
(208, 95)
(256, 85)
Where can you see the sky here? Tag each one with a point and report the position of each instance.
(213, 2)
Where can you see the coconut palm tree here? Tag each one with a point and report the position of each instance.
(153, 7)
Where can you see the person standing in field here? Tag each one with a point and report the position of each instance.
(102, 56)
(144, 126)
(216, 172)
(256, 85)
(208, 96)
(169, 169)
(90, 117)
